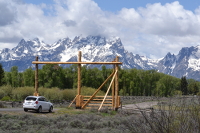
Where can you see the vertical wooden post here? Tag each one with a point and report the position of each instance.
(79, 99)
(36, 78)
(113, 91)
(116, 84)
(79, 73)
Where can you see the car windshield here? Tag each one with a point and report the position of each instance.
(31, 98)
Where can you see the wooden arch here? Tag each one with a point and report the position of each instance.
(84, 101)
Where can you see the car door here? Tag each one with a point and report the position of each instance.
(46, 104)
(43, 103)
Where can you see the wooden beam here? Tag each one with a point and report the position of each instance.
(79, 99)
(97, 63)
(73, 101)
(113, 92)
(116, 84)
(79, 73)
(36, 78)
(98, 96)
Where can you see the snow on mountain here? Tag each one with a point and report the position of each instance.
(194, 59)
(186, 63)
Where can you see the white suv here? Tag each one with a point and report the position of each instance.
(37, 103)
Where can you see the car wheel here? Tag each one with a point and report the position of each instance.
(50, 109)
(39, 109)
(25, 110)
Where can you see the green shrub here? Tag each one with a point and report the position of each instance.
(42, 90)
(2, 94)
(22, 92)
(69, 94)
(76, 123)
(7, 90)
(53, 94)
(178, 93)
(6, 98)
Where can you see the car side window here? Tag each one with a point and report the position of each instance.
(41, 99)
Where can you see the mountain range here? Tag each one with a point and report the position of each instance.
(100, 49)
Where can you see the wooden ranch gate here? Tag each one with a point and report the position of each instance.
(82, 102)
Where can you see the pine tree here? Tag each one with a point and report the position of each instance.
(184, 85)
(2, 74)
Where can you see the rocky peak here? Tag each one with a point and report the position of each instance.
(185, 53)
(169, 59)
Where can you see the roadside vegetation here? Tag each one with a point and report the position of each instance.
(175, 115)
(9, 93)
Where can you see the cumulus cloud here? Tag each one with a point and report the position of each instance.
(153, 30)
(69, 23)
(7, 15)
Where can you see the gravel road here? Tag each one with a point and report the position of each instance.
(137, 106)
(143, 105)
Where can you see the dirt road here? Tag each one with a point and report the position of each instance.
(143, 105)
(137, 106)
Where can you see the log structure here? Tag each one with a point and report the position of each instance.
(83, 102)
(36, 79)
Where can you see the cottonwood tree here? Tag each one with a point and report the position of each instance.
(29, 77)
(14, 76)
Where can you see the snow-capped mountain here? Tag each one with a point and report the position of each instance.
(94, 49)
(99, 49)
(186, 63)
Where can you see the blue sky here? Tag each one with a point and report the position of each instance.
(117, 5)
(147, 27)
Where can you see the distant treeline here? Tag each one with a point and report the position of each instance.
(132, 82)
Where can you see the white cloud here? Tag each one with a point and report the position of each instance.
(153, 30)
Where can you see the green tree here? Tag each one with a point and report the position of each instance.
(71, 77)
(184, 85)
(193, 86)
(166, 86)
(2, 75)
(7, 78)
(94, 77)
(14, 76)
(52, 75)
(29, 77)
(20, 80)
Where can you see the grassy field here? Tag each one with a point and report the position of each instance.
(172, 115)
